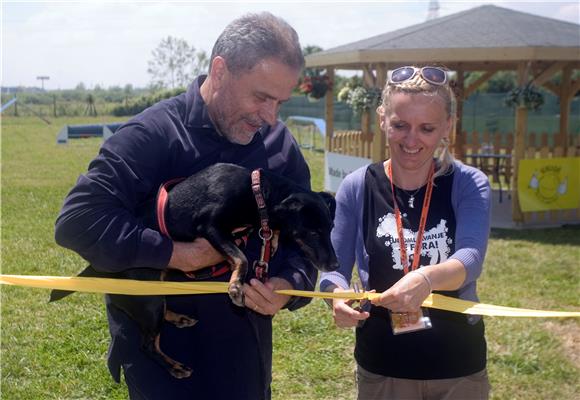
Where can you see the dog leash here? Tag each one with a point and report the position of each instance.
(265, 233)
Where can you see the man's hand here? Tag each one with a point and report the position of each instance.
(196, 255)
(193, 256)
(263, 299)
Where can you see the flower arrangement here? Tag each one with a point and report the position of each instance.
(527, 96)
(359, 98)
(315, 87)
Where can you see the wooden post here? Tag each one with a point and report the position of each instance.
(519, 146)
(329, 111)
(365, 118)
(365, 122)
(565, 99)
(379, 143)
(458, 139)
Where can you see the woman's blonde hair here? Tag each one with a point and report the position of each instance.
(418, 85)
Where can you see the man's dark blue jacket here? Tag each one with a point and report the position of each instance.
(230, 348)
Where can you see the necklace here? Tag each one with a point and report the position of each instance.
(411, 201)
(422, 221)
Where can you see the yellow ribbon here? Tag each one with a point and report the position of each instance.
(134, 287)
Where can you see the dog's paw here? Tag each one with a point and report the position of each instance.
(180, 371)
(179, 320)
(185, 322)
(236, 292)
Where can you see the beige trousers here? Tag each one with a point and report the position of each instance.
(377, 387)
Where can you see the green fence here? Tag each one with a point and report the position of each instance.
(344, 117)
(481, 112)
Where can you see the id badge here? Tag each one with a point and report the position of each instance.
(410, 321)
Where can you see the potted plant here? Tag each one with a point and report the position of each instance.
(359, 98)
(527, 96)
(316, 86)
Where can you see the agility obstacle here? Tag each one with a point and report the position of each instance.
(85, 131)
(316, 127)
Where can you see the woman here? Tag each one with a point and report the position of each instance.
(440, 209)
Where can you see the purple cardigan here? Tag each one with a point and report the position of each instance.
(471, 203)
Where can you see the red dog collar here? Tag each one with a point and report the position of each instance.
(162, 196)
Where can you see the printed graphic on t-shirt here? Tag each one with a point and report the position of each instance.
(435, 244)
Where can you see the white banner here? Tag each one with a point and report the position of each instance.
(337, 166)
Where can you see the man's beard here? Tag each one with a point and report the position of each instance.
(237, 136)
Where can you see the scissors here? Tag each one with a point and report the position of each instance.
(363, 304)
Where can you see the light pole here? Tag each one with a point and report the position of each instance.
(42, 79)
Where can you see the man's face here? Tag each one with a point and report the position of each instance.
(243, 102)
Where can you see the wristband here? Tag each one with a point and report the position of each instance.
(426, 279)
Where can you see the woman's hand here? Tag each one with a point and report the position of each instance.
(406, 295)
(344, 315)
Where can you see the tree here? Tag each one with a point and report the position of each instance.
(128, 91)
(500, 82)
(307, 50)
(175, 63)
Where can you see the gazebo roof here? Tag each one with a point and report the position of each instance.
(479, 35)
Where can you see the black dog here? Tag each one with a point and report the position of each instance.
(212, 204)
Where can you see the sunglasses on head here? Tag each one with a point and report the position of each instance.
(433, 75)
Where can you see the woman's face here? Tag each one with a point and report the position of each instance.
(415, 125)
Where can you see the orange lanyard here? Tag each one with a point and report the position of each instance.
(422, 221)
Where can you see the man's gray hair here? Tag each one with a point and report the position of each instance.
(254, 37)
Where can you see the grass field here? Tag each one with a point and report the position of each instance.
(57, 351)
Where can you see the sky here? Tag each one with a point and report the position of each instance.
(108, 43)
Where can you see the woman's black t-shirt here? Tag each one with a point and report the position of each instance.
(452, 347)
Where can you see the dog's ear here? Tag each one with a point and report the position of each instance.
(287, 209)
(329, 201)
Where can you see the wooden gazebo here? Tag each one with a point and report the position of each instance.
(487, 39)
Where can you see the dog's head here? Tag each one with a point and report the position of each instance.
(307, 219)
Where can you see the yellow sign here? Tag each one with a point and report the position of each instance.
(549, 184)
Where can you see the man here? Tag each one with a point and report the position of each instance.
(228, 116)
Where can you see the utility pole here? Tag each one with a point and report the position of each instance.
(433, 10)
(42, 79)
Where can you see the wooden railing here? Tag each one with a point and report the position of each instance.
(351, 143)
(541, 145)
